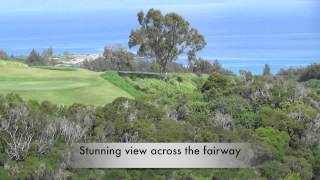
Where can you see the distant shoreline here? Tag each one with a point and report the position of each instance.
(233, 64)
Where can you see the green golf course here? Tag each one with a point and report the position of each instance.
(58, 85)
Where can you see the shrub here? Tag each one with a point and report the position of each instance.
(277, 139)
(3, 55)
(311, 72)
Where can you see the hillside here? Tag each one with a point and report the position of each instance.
(172, 85)
(58, 85)
(278, 115)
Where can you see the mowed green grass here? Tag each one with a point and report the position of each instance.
(58, 86)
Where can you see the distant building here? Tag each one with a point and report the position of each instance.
(76, 60)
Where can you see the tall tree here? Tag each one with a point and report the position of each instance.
(3, 55)
(165, 37)
(202, 66)
(47, 53)
(119, 57)
(266, 70)
(34, 59)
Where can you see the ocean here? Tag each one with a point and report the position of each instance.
(239, 41)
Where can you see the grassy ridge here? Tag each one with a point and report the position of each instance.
(58, 86)
(57, 68)
(122, 82)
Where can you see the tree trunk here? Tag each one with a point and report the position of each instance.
(163, 66)
(162, 69)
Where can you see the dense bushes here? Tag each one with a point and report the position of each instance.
(311, 72)
(304, 73)
(114, 58)
(35, 59)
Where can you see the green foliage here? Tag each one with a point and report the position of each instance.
(120, 59)
(3, 55)
(299, 165)
(274, 170)
(311, 72)
(34, 59)
(306, 112)
(314, 84)
(316, 160)
(170, 131)
(248, 120)
(127, 109)
(232, 104)
(123, 83)
(279, 120)
(170, 86)
(302, 73)
(4, 174)
(272, 118)
(165, 37)
(202, 66)
(266, 70)
(277, 139)
(218, 85)
(279, 117)
(283, 91)
(134, 75)
(293, 176)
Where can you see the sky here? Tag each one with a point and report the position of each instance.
(188, 5)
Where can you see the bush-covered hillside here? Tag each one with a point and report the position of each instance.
(278, 114)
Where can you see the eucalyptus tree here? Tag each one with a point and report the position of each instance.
(165, 37)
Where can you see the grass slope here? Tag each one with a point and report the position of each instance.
(122, 82)
(174, 84)
(60, 86)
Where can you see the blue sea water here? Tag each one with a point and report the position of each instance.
(239, 40)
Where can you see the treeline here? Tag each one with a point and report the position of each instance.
(34, 58)
(117, 58)
(45, 59)
(303, 73)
